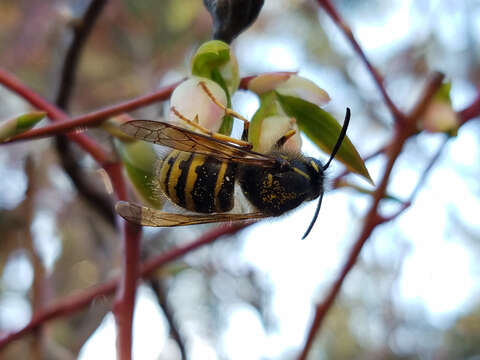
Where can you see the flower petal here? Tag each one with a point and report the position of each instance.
(191, 101)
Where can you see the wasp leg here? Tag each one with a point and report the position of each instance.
(194, 123)
(228, 111)
(285, 137)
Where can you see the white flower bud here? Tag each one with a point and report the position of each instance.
(191, 101)
(290, 85)
(272, 130)
(440, 117)
(304, 89)
(267, 82)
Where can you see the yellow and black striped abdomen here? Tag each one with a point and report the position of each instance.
(197, 182)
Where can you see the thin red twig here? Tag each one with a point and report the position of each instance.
(330, 10)
(69, 304)
(54, 113)
(96, 117)
(471, 111)
(402, 132)
(125, 299)
(420, 182)
(372, 219)
(91, 119)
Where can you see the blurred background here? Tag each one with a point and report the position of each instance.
(414, 294)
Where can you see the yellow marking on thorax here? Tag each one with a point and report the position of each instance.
(175, 174)
(269, 180)
(314, 165)
(219, 183)
(298, 171)
(198, 160)
(164, 171)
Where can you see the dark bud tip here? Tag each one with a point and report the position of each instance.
(231, 17)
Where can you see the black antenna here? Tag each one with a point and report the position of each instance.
(340, 139)
(343, 132)
(319, 205)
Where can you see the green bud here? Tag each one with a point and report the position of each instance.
(19, 124)
(439, 115)
(216, 57)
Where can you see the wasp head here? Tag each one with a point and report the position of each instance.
(314, 169)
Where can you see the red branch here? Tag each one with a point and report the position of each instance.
(125, 299)
(372, 219)
(54, 113)
(404, 129)
(471, 111)
(131, 232)
(70, 304)
(96, 117)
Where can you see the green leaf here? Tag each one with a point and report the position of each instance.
(207, 62)
(227, 122)
(227, 125)
(140, 160)
(19, 124)
(267, 108)
(323, 130)
(209, 56)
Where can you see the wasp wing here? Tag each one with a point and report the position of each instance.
(185, 140)
(146, 216)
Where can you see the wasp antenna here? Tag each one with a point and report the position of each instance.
(343, 132)
(340, 139)
(319, 205)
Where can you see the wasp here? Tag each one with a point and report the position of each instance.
(200, 172)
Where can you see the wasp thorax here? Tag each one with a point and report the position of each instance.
(278, 189)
